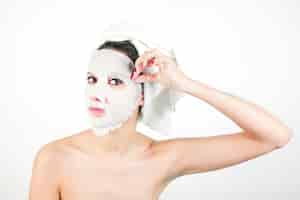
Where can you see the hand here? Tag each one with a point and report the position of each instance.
(169, 75)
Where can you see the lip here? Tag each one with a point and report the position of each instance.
(98, 112)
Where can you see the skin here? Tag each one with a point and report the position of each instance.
(128, 165)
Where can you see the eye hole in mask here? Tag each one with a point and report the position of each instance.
(91, 79)
(115, 80)
(118, 80)
(111, 81)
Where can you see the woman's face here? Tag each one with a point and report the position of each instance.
(110, 89)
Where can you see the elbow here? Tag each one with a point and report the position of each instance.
(286, 138)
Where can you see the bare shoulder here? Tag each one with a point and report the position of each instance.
(54, 150)
(49, 152)
(46, 177)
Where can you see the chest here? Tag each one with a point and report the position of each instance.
(87, 179)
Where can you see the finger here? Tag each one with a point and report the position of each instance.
(139, 64)
(138, 67)
(150, 61)
(152, 58)
(152, 55)
(144, 60)
(146, 78)
(133, 72)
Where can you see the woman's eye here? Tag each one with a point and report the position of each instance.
(115, 81)
(91, 79)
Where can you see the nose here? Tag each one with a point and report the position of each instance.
(94, 98)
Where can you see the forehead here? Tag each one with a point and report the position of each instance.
(107, 61)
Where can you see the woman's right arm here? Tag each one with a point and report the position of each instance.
(44, 182)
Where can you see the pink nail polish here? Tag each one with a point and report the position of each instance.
(151, 61)
(133, 73)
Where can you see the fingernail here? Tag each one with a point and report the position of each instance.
(151, 61)
(132, 73)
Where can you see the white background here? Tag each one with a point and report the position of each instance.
(247, 48)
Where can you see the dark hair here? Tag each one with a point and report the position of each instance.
(127, 47)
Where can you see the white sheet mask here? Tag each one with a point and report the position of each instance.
(118, 100)
(159, 102)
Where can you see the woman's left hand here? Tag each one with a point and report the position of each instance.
(168, 75)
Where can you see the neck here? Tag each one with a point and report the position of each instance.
(122, 140)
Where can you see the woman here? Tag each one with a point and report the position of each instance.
(120, 163)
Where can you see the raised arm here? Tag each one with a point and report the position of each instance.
(44, 183)
(252, 118)
(262, 133)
